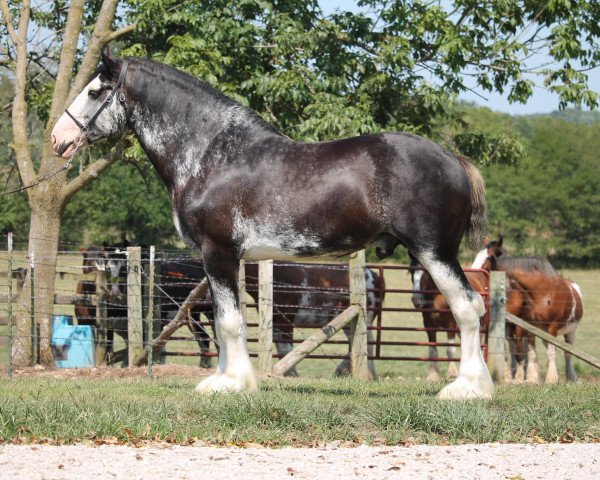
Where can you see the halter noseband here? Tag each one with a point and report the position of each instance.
(107, 102)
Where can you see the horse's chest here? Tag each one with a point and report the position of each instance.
(183, 231)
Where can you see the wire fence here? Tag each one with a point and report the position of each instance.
(93, 282)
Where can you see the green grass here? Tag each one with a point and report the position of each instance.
(291, 412)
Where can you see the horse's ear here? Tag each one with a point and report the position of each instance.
(500, 241)
(111, 62)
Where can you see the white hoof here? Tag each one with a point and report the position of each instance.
(227, 383)
(433, 376)
(552, 377)
(464, 389)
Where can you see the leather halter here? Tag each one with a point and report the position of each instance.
(107, 102)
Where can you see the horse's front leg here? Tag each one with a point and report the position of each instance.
(234, 372)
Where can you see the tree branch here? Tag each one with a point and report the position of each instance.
(19, 106)
(101, 30)
(119, 33)
(65, 68)
(8, 21)
(91, 172)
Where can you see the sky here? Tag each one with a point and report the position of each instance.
(542, 101)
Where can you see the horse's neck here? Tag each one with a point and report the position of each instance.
(184, 136)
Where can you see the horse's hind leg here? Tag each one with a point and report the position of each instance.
(234, 371)
(202, 339)
(569, 367)
(283, 337)
(551, 372)
(467, 306)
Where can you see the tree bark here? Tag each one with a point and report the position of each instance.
(43, 247)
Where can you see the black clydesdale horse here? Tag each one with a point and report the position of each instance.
(241, 189)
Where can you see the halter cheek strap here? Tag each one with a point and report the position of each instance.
(107, 102)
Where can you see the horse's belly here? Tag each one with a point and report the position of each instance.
(268, 252)
(568, 328)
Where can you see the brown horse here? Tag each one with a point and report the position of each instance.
(305, 296)
(311, 295)
(538, 294)
(549, 302)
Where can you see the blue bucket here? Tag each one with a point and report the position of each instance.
(72, 345)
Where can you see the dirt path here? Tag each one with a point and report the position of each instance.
(489, 461)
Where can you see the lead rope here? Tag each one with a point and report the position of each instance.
(66, 166)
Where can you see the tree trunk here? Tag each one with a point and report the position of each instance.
(43, 249)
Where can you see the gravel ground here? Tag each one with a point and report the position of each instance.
(489, 461)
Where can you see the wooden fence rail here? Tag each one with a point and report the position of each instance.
(586, 357)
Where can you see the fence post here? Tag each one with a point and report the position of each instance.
(358, 327)
(135, 330)
(496, 335)
(101, 317)
(150, 314)
(265, 315)
(9, 304)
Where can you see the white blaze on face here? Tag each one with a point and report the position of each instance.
(110, 121)
(66, 131)
(480, 258)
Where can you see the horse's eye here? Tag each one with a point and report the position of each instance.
(94, 94)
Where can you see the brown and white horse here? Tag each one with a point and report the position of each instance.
(241, 189)
(311, 295)
(538, 294)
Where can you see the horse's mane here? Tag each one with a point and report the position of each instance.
(529, 264)
(194, 87)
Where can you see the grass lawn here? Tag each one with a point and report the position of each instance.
(290, 412)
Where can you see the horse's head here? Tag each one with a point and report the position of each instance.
(116, 268)
(93, 259)
(116, 261)
(99, 111)
(491, 248)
